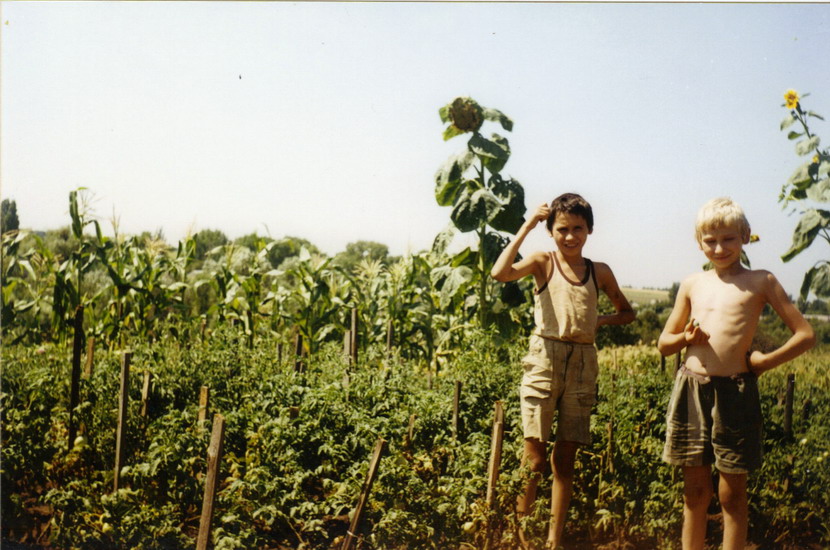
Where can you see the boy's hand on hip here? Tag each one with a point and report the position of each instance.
(755, 362)
(694, 334)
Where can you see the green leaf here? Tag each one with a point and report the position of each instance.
(814, 115)
(466, 257)
(443, 239)
(448, 178)
(492, 246)
(819, 192)
(444, 112)
(77, 228)
(805, 232)
(794, 135)
(497, 116)
(512, 295)
(817, 280)
(512, 195)
(472, 210)
(493, 152)
(787, 122)
(801, 176)
(457, 281)
(807, 146)
(451, 131)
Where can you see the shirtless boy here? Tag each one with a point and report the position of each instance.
(560, 369)
(714, 415)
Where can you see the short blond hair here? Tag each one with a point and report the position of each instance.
(721, 213)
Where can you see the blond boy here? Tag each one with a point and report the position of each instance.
(714, 416)
(560, 369)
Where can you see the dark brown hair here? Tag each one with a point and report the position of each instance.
(571, 203)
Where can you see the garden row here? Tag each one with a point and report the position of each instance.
(298, 442)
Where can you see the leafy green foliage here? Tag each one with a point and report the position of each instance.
(8, 216)
(471, 183)
(809, 182)
(297, 447)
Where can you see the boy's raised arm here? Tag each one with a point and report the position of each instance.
(802, 339)
(504, 269)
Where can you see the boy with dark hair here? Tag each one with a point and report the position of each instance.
(714, 416)
(560, 369)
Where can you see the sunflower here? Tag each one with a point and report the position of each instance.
(791, 97)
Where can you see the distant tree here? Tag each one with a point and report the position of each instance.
(673, 292)
(61, 242)
(288, 247)
(8, 216)
(360, 250)
(207, 240)
(250, 241)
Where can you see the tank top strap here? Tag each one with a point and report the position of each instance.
(550, 275)
(593, 273)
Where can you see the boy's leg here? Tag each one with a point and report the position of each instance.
(733, 501)
(697, 493)
(563, 457)
(534, 455)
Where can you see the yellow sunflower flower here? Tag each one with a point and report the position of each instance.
(791, 97)
(815, 159)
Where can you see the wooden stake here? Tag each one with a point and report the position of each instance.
(494, 466)
(298, 351)
(410, 431)
(75, 384)
(351, 534)
(120, 435)
(90, 355)
(390, 329)
(214, 456)
(788, 406)
(495, 454)
(146, 389)
(455, 406)
(347, 346)
(354, 337)
(204, 404)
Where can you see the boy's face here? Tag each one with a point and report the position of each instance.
(722, 246)
(570, 232)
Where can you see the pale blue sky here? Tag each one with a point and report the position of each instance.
(332, 133)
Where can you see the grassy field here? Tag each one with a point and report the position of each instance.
(645, 296)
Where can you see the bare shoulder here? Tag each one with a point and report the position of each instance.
(602, 270)
(693, 280)
(763, 282)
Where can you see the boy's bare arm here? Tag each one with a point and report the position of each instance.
(802, 339)
(608, 283)
(504, 269)
(678, 333)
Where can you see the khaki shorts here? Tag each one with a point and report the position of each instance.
(714, 420)
(558, 377)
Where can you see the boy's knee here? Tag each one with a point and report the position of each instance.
(697, 496)
(732, 493)
(537, 463)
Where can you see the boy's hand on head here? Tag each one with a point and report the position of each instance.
(694, 334)
(541, 213)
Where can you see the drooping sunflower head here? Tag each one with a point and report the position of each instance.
(791, 97)
(466, 114)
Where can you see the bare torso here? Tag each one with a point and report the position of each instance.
(728, 308)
